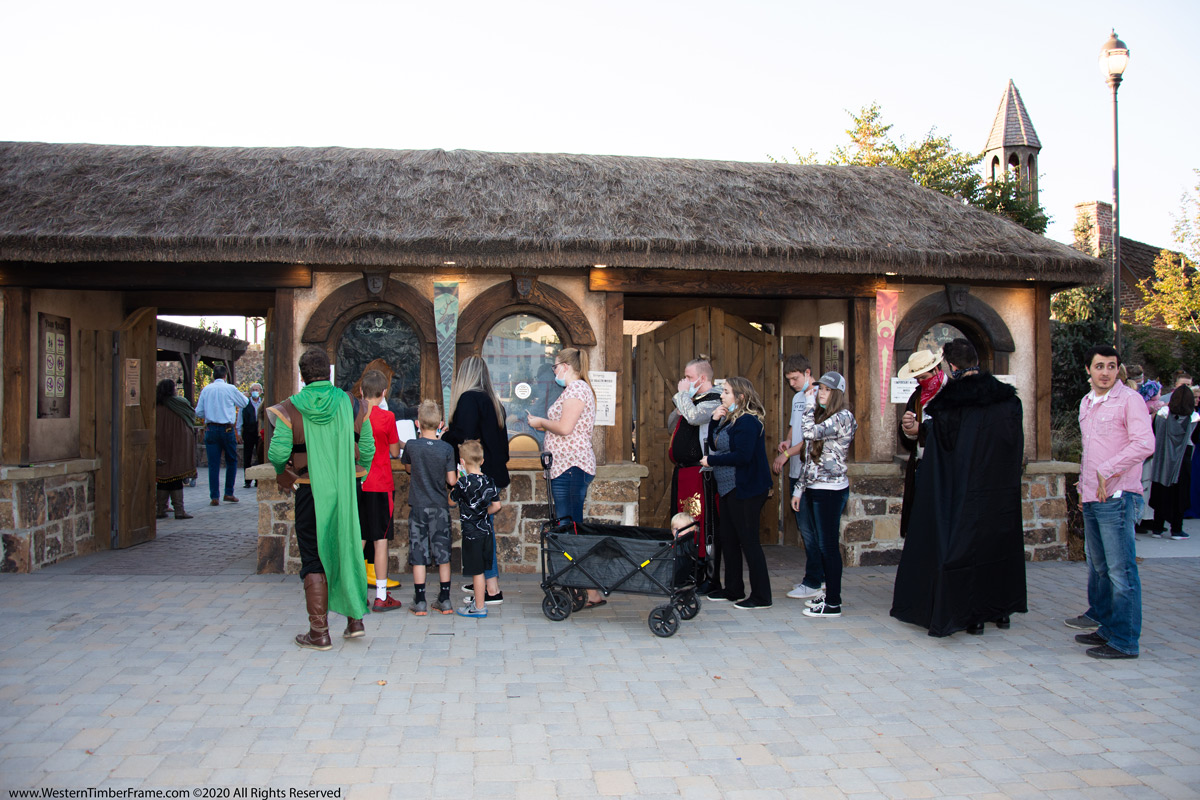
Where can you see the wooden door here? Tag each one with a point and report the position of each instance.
(95, 431)
(133, 449)
(735, 347)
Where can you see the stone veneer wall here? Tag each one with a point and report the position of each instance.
(871, 525)
(612, 497)
(47, 513)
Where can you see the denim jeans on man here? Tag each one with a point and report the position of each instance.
(814, 572)
(1114, 589)
(569, 490)
(220, 439)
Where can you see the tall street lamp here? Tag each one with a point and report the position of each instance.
(1114, 57)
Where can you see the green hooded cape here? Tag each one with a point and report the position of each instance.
(329, 439)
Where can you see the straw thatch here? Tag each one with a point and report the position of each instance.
(65, 203)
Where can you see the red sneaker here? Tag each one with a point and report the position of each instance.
(389, 603)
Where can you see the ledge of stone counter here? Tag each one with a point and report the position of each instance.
(624, 470)
(1051, 468)
(49, 469)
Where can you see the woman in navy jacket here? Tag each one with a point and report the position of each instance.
(738, 455)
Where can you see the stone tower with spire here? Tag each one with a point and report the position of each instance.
(1013, 144)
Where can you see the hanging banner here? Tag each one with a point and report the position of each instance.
(886, 305)
(445, 317)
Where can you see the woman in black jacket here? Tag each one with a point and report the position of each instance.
(476, 413)
(738, 456)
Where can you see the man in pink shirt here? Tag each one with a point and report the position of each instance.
(1117, 438)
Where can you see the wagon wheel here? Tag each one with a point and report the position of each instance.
(556, 605)
(664, 621)
(688, 605)
(579, 598)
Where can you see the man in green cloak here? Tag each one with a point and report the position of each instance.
(313, 447)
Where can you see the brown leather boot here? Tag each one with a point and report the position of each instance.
(177, 501)
(354, 628)
(316, 598)
(160, 504)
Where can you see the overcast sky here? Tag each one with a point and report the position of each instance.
(694, 79)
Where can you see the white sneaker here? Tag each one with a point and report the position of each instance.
(802, 592)
(816, 601)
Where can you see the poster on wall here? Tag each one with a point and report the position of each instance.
(54, 351)
(133, 381)
(604, 384)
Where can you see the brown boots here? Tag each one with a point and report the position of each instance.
(160, 504)
(177, 502)
(354, 628)
(316, 597)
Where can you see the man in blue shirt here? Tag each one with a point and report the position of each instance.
(218, 405)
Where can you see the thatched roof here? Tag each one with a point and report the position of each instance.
(71, 202)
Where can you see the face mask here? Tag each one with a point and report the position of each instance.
(691, 392)
(254, 395)
(732, 406)
(560, 381)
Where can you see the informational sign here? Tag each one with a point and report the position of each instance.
(133, 381)
(605, 386)
(522, 390)
(902, 389)
(54, 370)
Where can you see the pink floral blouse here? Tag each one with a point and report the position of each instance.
(574, 449)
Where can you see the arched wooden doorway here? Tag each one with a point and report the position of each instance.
(736, 348)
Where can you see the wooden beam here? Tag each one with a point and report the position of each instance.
(1043, 371)
(235, 303)
(283, 348)
(703, 283)
(861, 327)
(15, 422)
(650, 307)
(174, 276)
(614, 361)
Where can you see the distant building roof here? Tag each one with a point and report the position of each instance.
(1012, 127)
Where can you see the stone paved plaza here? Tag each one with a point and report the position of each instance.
(171, 665)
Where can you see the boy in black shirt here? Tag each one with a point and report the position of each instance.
(430, 463)
(477, 498)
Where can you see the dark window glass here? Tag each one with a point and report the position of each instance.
(386, 336)
(519, 352)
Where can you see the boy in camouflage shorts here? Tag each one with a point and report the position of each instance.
(430, 463)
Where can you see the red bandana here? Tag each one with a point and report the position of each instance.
(931, 386)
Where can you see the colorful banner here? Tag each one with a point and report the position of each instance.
(445, 317)
(886, 305)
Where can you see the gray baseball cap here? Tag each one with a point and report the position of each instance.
(833, 380)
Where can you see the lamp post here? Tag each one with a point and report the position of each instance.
(1114, 57)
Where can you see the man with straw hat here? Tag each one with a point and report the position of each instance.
(925, 366)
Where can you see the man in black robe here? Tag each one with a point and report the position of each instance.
(964, 559)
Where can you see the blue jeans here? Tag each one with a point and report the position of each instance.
(569, 491)
(218, 440)
(814, 572)
(824, 507)
(1114, 589)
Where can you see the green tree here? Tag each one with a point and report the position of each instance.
(933, 162)
(1172, 295)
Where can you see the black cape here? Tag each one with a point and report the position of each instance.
(964, 557)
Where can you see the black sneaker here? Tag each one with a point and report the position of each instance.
(1092, 639)
(823, 609)
(1180, 536)
(1081, 623)
(1109, 652)
(722, 597)
(750, 604)
(493, 599)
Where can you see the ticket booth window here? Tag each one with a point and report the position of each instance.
(519, 351)
(381, 335)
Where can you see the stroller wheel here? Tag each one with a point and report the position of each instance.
(578, 598)
(664, 621)
(688, 605)
(556, 605)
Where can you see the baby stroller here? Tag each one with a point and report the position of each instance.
(577, 556)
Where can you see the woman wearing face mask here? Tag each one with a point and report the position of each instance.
(823, 488)
(926, 367)
(251, 443)
(738, 455)
(568, 425)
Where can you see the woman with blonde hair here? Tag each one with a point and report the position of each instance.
(568, 425)
(738, 455)
(823, 488)
(476, 412)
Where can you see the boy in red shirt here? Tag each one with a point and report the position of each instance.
(375, 494)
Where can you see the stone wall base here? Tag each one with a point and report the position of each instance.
(612, 497)
(47, 513)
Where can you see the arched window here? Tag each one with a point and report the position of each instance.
(379, 334)
(995, 168)
(1014, 166)
(519, 351)
(938, 335)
